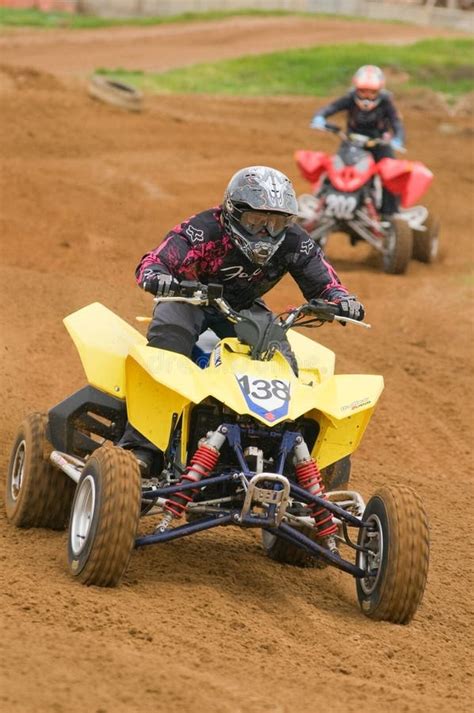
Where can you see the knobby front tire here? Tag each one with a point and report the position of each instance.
(104, 517)
(400, 538)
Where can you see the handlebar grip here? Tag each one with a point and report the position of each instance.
(323, 309)
(333, 127)
(189, 288)
(214, 290)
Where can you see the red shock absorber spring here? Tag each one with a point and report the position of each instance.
(309, 477)
(202, 463)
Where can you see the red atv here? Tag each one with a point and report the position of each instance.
(347, 198)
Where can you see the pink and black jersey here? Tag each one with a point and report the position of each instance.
(200, 249)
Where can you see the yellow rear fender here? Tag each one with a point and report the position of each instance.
(103, 341)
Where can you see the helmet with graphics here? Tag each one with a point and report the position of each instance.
(259, 205)
(368, 83)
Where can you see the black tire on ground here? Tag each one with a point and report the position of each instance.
(396, 588)
(104, 517)
(37, 493)
(286, 552)
(399, 243)
(426, 242)
(336, 476)
(113, 91)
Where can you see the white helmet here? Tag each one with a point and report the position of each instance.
(368, 83)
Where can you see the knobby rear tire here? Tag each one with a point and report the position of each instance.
(426, 242)
(286, 552)
(104, 517)
(37, 493)
(400, 243)
(336, 476)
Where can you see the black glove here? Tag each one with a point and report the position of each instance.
(351, 308)
(160, 284)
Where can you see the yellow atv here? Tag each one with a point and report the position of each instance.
(242, 440)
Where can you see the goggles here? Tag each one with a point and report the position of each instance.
(367, 93)
(254, 221)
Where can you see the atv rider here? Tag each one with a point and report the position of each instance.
(247, 245)
(370, 111)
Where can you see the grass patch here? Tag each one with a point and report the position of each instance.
(441, 65)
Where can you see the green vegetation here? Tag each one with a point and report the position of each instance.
(441, 65)
(445, 66)
(10, 17)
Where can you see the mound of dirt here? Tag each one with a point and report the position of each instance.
(25, 78)
(426, 100)
(465, 106)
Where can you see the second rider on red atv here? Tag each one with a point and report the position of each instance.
(371, 112)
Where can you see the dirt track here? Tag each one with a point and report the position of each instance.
(208, 624)
(164, 46)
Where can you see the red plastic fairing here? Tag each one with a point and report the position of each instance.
(311, 164)
(349, 178)
(409, 179)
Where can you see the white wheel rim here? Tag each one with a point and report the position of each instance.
(434, 247)
(18, 469)
(372, 562)
(268, 539)
(82, 515)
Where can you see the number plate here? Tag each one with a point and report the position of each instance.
(340, 206)
(267, 398)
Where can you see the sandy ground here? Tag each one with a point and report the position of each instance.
(208, 624)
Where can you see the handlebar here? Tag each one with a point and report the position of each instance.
(194, 293)
(316, 311)
(323, 311)
(359, 139)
